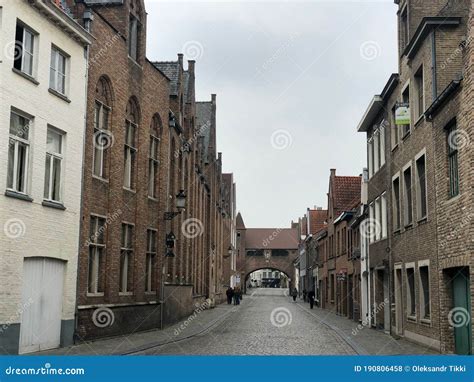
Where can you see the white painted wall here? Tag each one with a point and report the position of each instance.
(44, 231)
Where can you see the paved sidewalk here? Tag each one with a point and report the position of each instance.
(135, 343)
(365, 341)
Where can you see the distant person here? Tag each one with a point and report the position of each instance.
(236, 296)
(229, 293)
(311, 296)
(304, 295)
(294, 294)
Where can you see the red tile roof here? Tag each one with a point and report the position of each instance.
(317, 220)
(345, 191)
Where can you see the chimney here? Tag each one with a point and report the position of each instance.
(333, 172)
(191, 67)
(180, 59)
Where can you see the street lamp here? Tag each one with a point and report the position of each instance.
(229, 251)
(180, 205)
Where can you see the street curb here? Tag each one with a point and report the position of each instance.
(360, 350)
(153, 345)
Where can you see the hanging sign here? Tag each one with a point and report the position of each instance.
(402, 114)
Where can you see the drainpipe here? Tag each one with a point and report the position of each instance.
(433, 64)
(87, 17)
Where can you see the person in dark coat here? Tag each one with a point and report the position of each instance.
(294, 294)
(229, 293)
(236, 296)
(311, 296)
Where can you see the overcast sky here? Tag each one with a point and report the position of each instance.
(292, 79)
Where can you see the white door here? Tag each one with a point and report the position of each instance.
(43, 280)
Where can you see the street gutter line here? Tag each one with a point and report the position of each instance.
(360, 350)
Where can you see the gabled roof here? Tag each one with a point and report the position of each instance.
(271, 238)
(345, 191)
(317, 220)
(171, 70)
(239, 222)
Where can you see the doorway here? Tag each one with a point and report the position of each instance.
(460, 316)
(42, 298)
(398, 302)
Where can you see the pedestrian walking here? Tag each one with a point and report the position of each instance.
(236, 296)
(294, 294)
(311, 296)
(229, 293)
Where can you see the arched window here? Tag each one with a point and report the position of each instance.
(154, 155)
(130, 149)
(134, 28)
(103, 138)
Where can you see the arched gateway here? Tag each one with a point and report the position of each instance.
(265, 248)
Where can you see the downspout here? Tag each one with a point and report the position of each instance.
(433, 65)
(87, 16)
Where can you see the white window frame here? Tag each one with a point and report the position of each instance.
(24, 52)
(55, 75)
(48, 191)
(408, 296)
(98, 250)
(420, 113)
(153, 165)
(376, 137)
(17, 141)
(382, 143)
(150, 258)
(370, 149)
(378, 219)
(421, 264)
(407, 207)
(384, 214)
(419, 217)
(400, 203)
(129, 155)
(394, 132)
(127, 253)
(371, 217)
(98, 141)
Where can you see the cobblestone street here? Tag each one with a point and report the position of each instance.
(266, 323)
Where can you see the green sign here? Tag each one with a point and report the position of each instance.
(402, 114)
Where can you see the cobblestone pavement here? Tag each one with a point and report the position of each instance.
(267, 322)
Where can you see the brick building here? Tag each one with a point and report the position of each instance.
(419, 172)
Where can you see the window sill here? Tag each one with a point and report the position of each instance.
(151, 199)
(152, 293)
(452, 199)
(18, 195)
(423, 220)
(98, 294)
(418, 121)
(411, 318)
(125, 294)
(129, 190)
(53, 204)
(397, 231)
(25, 76)
(100, 179)
(406, 135)
(130, 58)
(426, 321)
(408, 226)
(59, 95)
(394, 148)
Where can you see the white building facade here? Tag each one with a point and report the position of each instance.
(43, 71)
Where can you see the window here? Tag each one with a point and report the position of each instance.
(102, 138)
(130, 150)
(18, 151)
(376, 151)
(382, 142)
(411, 303)
(24, 49)
(96, 242)
(126, 255)
(150, 261)
(153, 157)
(53, 167)
(370, 224)
(404, 28)
(377, 235)
(453, 160)
(133, 37)
(421, 197)
(406, 100)
(425, 310)
(57, 71)
(384, 215)
(407, 197)
(333, 287)
(370, 149)
(420, 95)
(396, 203)
(394, 131)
